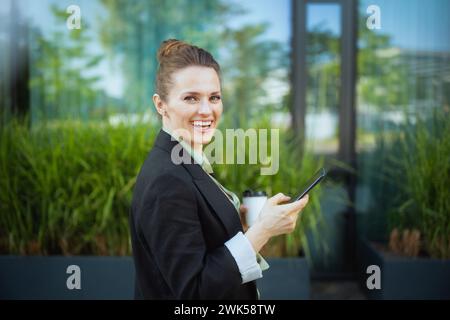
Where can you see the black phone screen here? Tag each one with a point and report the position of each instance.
(312, 182)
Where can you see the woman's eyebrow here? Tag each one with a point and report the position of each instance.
(199, 93)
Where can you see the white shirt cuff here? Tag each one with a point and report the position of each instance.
(242, 251)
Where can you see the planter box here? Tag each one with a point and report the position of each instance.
(287, 279)
(45, 277)
(39, 277)
(404, 277)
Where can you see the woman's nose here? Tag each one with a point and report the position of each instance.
(205, 107)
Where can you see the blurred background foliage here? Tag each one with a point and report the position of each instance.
(57, 59)
(66, 187)
(75, 183)
(417, 172)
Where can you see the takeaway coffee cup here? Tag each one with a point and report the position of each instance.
(254, 201)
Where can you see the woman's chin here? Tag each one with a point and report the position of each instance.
(204, 136)
(203, 140)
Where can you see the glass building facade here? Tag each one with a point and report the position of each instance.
(346, 74)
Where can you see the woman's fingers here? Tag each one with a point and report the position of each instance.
(279, 218)
(243, 209)
(295, 206)
(279, 198)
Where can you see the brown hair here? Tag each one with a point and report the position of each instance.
(174, 55)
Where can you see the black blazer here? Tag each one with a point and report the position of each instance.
(179, 222)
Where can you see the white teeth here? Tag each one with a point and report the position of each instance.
(202, 123)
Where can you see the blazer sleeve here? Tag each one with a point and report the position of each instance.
(170, 224)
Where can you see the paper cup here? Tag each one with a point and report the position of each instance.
(254, 201)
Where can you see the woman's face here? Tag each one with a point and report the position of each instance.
(194, 104)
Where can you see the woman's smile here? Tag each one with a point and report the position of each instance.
(203, 126)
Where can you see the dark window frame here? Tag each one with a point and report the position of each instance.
(347, 100)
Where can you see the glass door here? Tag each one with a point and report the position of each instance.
(324, 68)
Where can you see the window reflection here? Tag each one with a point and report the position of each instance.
(403, 73)
(323, 84)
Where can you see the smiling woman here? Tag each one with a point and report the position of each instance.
(193, 104)
(189, 96)
(187, 238)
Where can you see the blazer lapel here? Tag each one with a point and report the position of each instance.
(216, 199)
(211, 192)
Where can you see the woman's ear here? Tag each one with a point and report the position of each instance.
(159, 105)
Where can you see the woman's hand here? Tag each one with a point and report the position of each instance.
(275, 219)
(243, 215)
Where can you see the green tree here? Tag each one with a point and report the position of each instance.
(133, 30)
(383, 74)
(250, 61)
(61, 63)
(323, 72)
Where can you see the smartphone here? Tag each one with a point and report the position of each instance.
(315, 179)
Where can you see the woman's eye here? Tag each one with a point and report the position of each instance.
(215, 98)
(190, 99)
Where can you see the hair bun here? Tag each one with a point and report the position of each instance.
(174, 55)
(169, 46)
